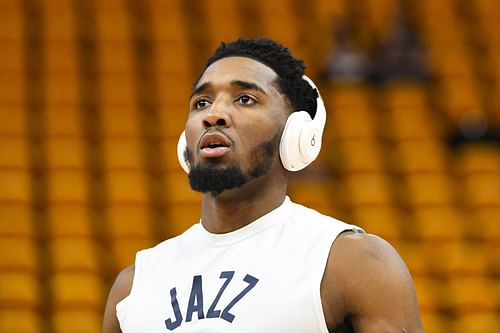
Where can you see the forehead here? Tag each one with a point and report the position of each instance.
(238, 68)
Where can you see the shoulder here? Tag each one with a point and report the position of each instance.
(121, 289)
(375, 283)
(123, 284)
(365, 261)
(364, 251)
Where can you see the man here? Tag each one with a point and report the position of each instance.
(258, 262)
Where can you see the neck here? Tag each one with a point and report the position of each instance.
(235, 208)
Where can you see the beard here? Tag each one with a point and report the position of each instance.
(214, 179)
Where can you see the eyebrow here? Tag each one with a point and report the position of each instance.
(248, 85)
(201, 88)
(243, 84)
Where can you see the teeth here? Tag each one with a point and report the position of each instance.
(214, 145)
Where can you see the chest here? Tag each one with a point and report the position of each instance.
(227, 292)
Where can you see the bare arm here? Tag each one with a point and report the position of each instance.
(120, 289)
(368, 287)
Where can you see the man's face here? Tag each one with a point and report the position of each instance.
(234, 126)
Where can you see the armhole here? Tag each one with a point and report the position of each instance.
(121, 306)
(330, 238)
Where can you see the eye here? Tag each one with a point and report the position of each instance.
(246, 100)
(201, 104)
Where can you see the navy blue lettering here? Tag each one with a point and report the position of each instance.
(226, 315)
(212, 313)
(171, 325)
(195, 299)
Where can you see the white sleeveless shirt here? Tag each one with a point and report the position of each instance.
(264, 277)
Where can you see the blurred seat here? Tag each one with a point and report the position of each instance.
(325, 10)
(19, 290)
(17, 124)
(116, 56)
(123, 152)
(20, 321)
(384, 221)
(18, 255)
(118, 88)
(76, 321)
(453, 63)
(15, 186)
(69, 220)
(279, 11)
(74, 254)
(61, 52)
(60, 11)
(456, 259)
(416, 156)
(469, 295)
(439, 224)
(459, 97)
(313, 193)
(479, 158)
(172, 120)
(14, 152)
(62, 88)
(365, 189)
(411, 253)
(16, 220)
(129, 221)
(222, 30)
(76, 291)
(380, 14)
(181, 217)
(430, 189)
(124, 250)
(127, 186)
(112, 21)
(172, 56)
(353, 123)
(486, 226)
(361, 156)
(63, 120)
(406, 96)
(68, 186)
(430, 294)
(168, 153)
(65, 152)
(483, 190)
(175, 90)
(434, 322)
(120, 121)
(409, 123)
(476, 323)
(178, 188)
(171, 29)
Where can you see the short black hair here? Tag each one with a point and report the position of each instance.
(276, 56)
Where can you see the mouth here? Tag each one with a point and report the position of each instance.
(214, 145)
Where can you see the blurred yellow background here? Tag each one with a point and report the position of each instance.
(93, 97)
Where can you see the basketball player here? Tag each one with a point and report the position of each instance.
(257, 262)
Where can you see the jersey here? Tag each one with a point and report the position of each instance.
(264, 277)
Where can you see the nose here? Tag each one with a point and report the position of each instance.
(216, 117)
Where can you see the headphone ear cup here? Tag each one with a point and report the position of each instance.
(181, 148)
(290, 145)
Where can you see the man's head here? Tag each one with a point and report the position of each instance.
(238, 109)
(274, 55)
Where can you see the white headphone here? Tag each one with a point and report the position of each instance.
(300, 142)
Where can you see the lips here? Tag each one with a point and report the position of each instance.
(214, 144)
